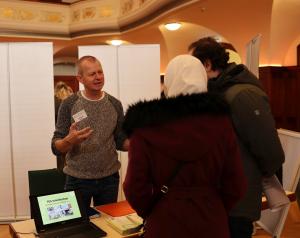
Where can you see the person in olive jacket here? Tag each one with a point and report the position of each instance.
(190, 127)
(261, 151)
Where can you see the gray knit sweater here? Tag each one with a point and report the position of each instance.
(96, 157)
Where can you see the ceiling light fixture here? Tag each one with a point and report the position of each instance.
(116, 42)
(173, 26)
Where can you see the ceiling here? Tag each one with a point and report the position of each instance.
(232, 20)
(52, 1)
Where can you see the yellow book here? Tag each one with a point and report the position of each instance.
(126, 225)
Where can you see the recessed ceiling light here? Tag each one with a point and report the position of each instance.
(116, 42)
(173, 26)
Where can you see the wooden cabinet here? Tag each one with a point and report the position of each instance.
(282, 84)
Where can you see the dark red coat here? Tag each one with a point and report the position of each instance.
(196, 130)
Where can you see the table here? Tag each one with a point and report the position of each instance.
(26, 229)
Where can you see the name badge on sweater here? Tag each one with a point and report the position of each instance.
(79, 116)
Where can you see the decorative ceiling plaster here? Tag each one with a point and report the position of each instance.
(90, 17)
(231, 19)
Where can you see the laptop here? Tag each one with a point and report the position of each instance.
(63, 214)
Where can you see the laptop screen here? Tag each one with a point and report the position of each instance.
(54, 210)
(58, 207)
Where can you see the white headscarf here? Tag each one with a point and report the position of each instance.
(185, 74)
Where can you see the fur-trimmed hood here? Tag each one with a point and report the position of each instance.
(157, 111)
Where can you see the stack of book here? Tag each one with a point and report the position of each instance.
(126, 225)
(122, 218)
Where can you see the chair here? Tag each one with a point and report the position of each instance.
(45, 181)
(273, 222)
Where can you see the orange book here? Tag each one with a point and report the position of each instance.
(116, 209)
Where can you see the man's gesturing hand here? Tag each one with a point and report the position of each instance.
(75, 136)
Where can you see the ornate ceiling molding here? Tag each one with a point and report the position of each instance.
(90, 17)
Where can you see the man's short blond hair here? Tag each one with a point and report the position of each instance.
(83, 59)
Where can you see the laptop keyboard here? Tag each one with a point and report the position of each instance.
(81, 231)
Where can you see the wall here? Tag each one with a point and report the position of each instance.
(65, 69)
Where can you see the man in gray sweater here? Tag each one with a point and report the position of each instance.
(88, 131)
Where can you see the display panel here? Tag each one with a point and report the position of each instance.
(58, 207)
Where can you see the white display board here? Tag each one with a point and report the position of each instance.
(6, 182)
(133, 73)
(290, 141)
(273, 221)
(252, 58)
(29, 68)
(139, 73)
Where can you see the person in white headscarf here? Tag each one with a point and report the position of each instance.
(185, 146)
(185, 75)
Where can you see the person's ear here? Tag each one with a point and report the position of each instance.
(207, 65)
(79, 78)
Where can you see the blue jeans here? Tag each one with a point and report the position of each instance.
(103, 191)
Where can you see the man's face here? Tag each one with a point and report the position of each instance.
(92, 76)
